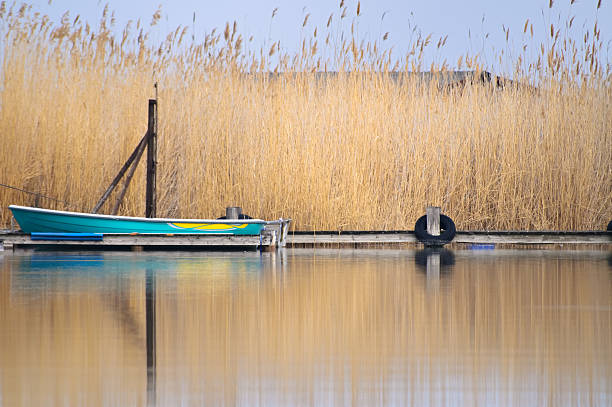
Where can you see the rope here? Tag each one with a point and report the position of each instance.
(37, 194)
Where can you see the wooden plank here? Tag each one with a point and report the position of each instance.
(128, 179)
(533, 238)
(366, 238)
(119, 175)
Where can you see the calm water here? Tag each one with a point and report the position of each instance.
(304, 327)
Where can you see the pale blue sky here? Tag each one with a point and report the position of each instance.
(458, 19)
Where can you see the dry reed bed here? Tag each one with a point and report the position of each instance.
(355, 151)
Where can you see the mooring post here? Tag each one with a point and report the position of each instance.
(151, 195)
(233, 212)
(433, 220)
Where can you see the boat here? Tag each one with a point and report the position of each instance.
(39, 220)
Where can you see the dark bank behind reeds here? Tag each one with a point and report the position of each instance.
(357, 151)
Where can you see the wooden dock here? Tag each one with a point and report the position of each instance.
(468, 237)
(268, 240)
(136, 242)
(272, 239)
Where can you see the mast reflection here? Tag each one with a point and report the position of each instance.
(150, 337)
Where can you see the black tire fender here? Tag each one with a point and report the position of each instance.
(447, 232)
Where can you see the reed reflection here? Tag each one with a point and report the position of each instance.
(300, 327)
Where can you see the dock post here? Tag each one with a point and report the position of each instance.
(233, 212)
(433, 220)
(151, 194)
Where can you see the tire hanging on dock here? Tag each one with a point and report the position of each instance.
(447, 232)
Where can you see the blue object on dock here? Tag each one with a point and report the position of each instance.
(90, 237)
(482, 246)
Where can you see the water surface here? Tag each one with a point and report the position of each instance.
(306, 327)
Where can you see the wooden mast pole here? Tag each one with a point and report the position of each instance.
(151, 194)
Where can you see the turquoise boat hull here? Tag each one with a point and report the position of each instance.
(33, 220)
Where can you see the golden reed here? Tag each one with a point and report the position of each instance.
(358, 150)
